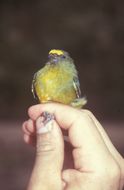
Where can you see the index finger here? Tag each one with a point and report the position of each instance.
(78, 123)
(65, 115)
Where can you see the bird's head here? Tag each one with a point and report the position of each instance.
(57, 56)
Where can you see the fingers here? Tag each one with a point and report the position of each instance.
(29, 127)
(49, 155)
(34, 111)
(30, 140)
(83, 133)
(63, 114)
(93, 151)
(29, 130)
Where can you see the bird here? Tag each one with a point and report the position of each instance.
(57, 81)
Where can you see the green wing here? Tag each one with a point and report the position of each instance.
(33, 86)
(76, 85)
(79, 102)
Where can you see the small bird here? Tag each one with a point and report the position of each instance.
(58, 81)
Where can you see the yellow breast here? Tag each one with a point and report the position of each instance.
(55, 84)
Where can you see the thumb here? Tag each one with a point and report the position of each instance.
(49, 153)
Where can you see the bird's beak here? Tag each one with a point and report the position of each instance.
(53, 58)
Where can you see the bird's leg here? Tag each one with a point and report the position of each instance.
(47, 117)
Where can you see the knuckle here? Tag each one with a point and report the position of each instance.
(44, 148)
(29, 111)
(88, 112)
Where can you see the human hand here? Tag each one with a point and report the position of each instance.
(97, 164)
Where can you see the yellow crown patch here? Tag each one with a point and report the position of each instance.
(56, 51)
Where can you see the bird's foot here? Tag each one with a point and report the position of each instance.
(47, 117)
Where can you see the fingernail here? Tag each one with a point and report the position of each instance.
(43, 128)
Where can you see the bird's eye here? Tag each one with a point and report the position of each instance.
(63, 56)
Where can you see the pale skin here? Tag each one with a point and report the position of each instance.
(89, 162)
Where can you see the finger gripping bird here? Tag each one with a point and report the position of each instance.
(58, 81)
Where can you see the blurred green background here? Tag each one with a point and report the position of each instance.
(92, 32)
